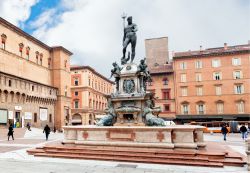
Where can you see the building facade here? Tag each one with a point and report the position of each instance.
(34, 80)
(213, 84)
(162, 85)
(89, 91)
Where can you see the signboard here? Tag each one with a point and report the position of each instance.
(18, 108)
(3, 116)
(43, 114)
(11, 115)
(27, 115)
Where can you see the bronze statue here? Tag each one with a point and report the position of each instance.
(129, 37)
(116, 72)
(143, 68)
(150, 118)
(110, 117)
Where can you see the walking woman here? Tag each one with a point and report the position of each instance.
(11, 132)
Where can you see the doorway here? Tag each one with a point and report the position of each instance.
(18, 122)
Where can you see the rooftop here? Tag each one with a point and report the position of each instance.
(226, 50)
(162, 69)
(76, 67)
(29, 37)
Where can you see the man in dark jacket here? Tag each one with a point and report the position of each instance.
(243, 131)
(224, 131)
(46, 131)
(11, 132)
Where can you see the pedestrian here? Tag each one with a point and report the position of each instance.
(243, 131)
(46, 130)
(11, 132)
(28, 126)
(54, 129)
(224, 131)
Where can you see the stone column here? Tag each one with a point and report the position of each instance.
(248, 153)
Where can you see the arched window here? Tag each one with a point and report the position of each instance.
(41, 59)
(21, 45)
(37, 56)
(49, 62)
(165, 81)
(9, 83)
(3, 40)
(27, 52)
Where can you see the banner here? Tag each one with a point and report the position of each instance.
(11, 115)
(43, 114)
(27, 115)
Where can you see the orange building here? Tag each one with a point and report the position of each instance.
(89, 90)
(34, 80)
(162, 85)
(162, 74)
(213, 84)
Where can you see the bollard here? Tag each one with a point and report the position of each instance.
(248, 153)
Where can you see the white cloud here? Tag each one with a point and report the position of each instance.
(92, 29)
(16, 11)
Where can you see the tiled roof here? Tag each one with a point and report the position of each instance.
(166, 68)
(76, 67)
(215, 51)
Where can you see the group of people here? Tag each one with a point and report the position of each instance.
(243, 130)
(46, 130)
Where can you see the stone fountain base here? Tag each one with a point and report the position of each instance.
(171, 137)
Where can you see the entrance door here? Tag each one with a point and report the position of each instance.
(18, 120)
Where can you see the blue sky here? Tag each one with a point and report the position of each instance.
(37, 10)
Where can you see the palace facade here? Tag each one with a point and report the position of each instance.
(89, 91)
(213, 84)
(34, 80)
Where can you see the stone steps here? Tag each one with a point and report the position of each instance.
(144, 155)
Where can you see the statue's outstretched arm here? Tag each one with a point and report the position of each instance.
(135, 28)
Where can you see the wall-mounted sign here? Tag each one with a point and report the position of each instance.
(28, 115)
(43, 114)
(11, 115)
(18, 108)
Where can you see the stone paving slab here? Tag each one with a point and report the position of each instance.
(4, 149)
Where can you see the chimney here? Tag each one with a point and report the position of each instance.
(200, 47)
(225, 46)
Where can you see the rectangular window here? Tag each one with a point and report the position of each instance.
(35, 117)
(237, 74)
(76, 82)
(184, 91)
(218, 90)
(183, 78)
(240, 107)
(236, 61)
(216, 63)
(199, 91)
(220, 108)
(76, 93)
(239, 89)
(198, 77)
(201, 109)
(167, 108)
(50, 118)
(217, 75)
(76, 104)
(165, 95)
(183, 65)
(198, 64)
(185, 109)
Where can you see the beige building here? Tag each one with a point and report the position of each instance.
(34, 80)
(89, 90)
(213, 84)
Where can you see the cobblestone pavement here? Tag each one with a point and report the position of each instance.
(14, 158)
